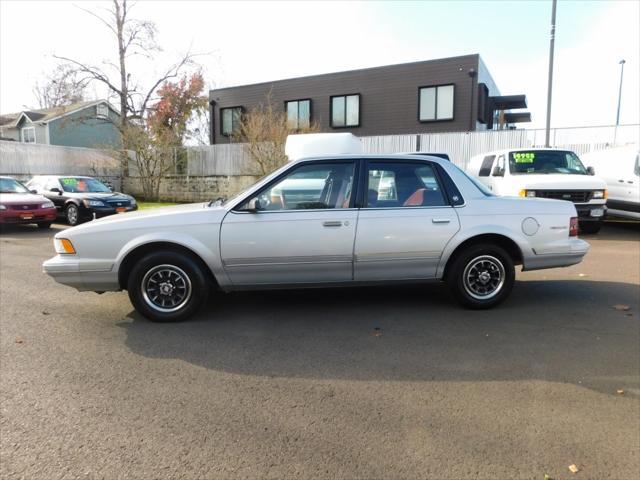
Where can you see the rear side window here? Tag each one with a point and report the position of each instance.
(396, 184)
(485, 168)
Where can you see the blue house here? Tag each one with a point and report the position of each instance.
(85, 124)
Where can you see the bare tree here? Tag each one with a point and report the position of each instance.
(63, 86)
(134, 37)
(265, 129)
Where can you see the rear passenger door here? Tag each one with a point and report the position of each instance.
(405, 222)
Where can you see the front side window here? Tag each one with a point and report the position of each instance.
(545, 162)
(436, 103)
(83, 185)
(230, 119)
(395, 184)
(309, 187)
(298, 114)
(29, 135)
(345, 111)
(485, 168)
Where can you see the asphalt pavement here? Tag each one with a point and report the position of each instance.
(346, 383)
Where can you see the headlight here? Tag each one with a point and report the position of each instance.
(47, 205)
(63, 246)
(3, 207)
(133, 200)
(599, 194)
(93, 203)
(527, 193)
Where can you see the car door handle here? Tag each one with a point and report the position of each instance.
(441, 220)
(621, 181)
(336, 223)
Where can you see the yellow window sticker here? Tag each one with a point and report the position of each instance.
(524, 157)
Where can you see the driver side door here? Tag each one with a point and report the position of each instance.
(302, 233)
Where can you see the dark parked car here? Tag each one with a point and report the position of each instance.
(19, 205)
(81, 198)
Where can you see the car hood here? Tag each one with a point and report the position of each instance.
(170, 217)
(18, 198)
(558, 182)
(99, 196)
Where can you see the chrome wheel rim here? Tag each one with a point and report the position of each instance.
(484, 277)
(72, 214)
(166, 288)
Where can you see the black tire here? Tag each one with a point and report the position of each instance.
(44, 225)
(484, 259)
(590, 227)
(186, 283)
(72, 213)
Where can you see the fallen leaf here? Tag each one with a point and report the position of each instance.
(622, 308)
(19, 340)
(573, 468)
(377, 332)
(620, 391)
(44, 312)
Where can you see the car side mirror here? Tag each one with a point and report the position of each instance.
(254, 205)
(56, 190)
(591, 170)
(498, 172)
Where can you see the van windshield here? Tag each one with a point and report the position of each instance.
(546, 161)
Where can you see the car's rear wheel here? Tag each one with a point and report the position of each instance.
(482, 276)
(73, 214)
(44, 225)
(167, 286)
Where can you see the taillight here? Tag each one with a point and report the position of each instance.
(573, 227)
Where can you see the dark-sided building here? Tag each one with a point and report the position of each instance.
(444, 95)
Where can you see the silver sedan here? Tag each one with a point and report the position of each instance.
(321, 222)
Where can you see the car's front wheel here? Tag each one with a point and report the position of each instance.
(482, 276)
(167, 286)
(73, 214)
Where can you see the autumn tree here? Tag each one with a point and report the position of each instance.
(61, 87)
(264, 129)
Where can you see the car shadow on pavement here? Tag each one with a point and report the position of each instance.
(563, 331)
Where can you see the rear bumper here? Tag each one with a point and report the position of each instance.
(572, 252)
(83, 275)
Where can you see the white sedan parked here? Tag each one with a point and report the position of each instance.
(326, 221)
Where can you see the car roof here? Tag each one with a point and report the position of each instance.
(392, 157)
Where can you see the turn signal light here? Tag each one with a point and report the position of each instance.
(64, 246)
(573, 227)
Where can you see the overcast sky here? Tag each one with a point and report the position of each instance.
(250, 42)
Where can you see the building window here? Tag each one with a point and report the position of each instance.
(102, 110)
(29, 135)
(298, 114)
(345, 111)
(436, 103)
(230, 120)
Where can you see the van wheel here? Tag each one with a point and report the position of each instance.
(481, 277)
(167, 286)
(590, 227)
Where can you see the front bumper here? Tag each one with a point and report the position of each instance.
(82, 274)
(88, 212)
(563, 255)
(28, 216)
(592, 212)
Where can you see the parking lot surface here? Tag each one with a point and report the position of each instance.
(349, 383)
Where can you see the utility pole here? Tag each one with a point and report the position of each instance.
(550, 83)
(615, 131)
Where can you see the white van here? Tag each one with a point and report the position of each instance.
(546, 173)
(619, 167)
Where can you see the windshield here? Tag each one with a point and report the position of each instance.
(9, 185)
(546, 161)
(83, 185)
